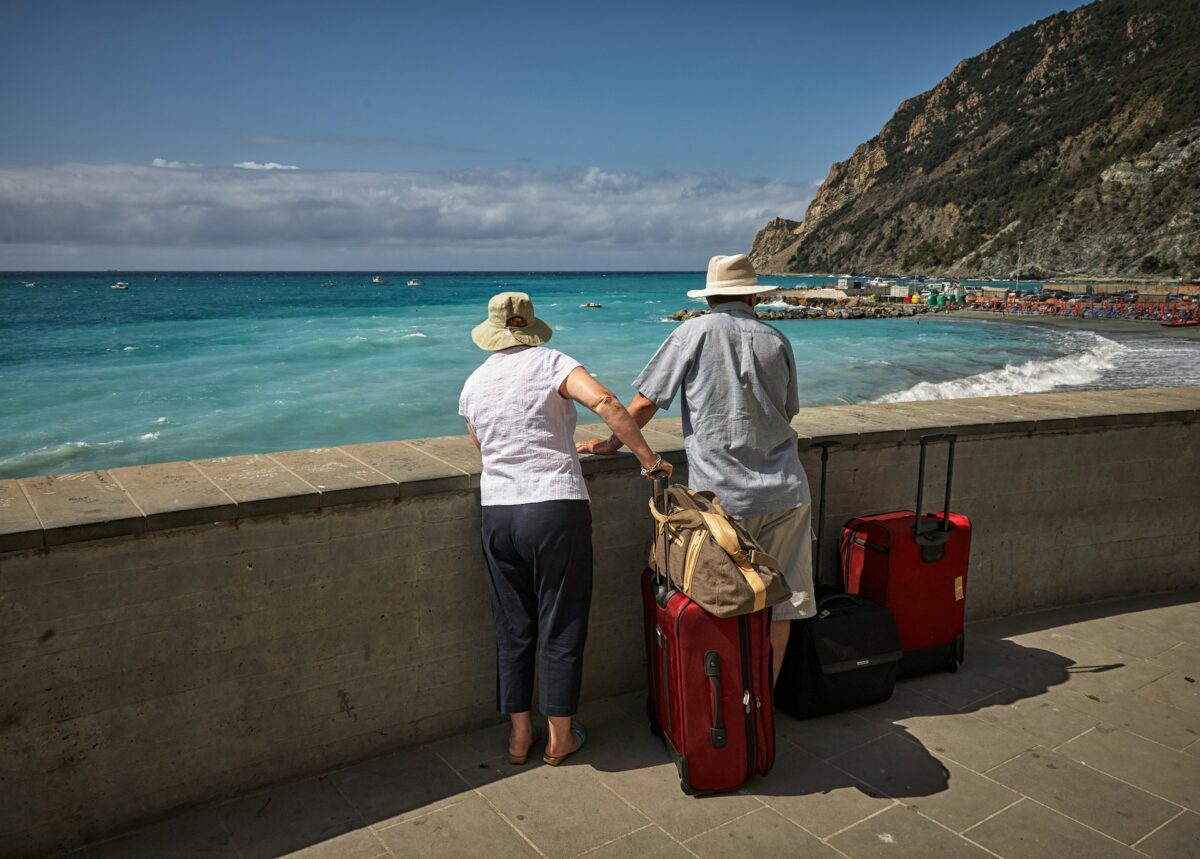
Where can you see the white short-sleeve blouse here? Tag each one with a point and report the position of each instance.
(525, 427)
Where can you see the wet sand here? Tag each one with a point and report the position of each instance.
(1145, 328)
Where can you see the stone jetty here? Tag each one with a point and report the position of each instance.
(853, 308)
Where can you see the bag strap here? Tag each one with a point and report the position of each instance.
(685, 498)
(727, 539)
(728, 533)
(716, 505)
(686, 518)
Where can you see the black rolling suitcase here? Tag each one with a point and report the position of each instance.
(847, 655)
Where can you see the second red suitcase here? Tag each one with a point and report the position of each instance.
(917, 567)
(710, 689)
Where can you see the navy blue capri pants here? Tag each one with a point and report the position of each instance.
(539, 563)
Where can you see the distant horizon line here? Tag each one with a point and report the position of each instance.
(368, 272)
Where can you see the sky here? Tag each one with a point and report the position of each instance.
(444, 136)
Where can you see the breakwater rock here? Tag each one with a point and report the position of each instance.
(840, 311)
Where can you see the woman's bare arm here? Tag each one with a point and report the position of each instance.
(582, 388)
(641, 410)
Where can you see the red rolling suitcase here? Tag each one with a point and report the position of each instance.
(916, 568)
(709, 688)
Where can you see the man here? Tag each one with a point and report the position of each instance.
(737, 378)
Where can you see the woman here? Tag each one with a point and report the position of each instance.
(537, 525)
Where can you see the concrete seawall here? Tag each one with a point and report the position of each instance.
(175, 634)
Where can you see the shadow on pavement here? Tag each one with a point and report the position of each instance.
(913, 745)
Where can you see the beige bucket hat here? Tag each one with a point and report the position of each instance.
(510, 322)
(732, 276)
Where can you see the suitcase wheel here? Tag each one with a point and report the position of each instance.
(956, 657)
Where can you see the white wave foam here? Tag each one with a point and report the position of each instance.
(160, 420)
(1080, 368)
(130, 349)
(779, 302)
(53, 458)
(414, 334)
(150, 436)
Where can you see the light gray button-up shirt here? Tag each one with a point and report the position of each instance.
(737, 378)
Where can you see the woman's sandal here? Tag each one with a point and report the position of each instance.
(577, 730)
(517, 760)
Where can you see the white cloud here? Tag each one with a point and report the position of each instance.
(269, 165)
(162, 162)
(223, 217)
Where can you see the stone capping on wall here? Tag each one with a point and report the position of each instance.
(52, 510)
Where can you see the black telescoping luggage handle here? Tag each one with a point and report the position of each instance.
(662, 582)
(824, 445)
(940, 533)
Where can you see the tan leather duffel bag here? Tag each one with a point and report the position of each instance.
(707, 555)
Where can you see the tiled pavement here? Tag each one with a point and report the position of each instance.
(1072, 734)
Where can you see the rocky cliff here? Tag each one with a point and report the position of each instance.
(1078, 136)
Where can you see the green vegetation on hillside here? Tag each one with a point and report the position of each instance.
(1012, 145)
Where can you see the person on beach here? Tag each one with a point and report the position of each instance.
(737, 378)
(537, 525)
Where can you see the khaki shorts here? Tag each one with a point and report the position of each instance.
(787, 537)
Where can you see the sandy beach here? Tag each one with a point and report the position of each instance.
(1145, 328)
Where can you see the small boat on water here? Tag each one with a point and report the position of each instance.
(327, 284)
(1181, 323)
(120, 284)
(412, 281)
(591, 304)
(31, 284)
(377, 280)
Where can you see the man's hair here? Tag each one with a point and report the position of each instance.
(714, 300)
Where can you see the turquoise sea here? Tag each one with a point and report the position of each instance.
(186, 366)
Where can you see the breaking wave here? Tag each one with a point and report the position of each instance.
(1075, 370)
(54, 458)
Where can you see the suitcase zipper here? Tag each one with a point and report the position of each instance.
(747, 693)
(759, 719)
(666, 683)
(862, 540)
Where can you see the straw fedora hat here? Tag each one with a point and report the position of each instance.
(510, 322)
(732, 276)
